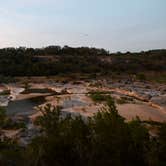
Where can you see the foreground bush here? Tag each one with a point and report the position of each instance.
(104, 139)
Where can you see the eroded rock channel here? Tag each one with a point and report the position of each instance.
(146, 100)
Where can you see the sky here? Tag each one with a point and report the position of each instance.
(116, 25)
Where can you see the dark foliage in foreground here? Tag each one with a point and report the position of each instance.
(8, 123)
(104, 139)
(55, 60)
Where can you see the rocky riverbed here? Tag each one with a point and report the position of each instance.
(143, 99)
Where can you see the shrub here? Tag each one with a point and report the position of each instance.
(103, 139)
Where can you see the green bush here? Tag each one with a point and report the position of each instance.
(98, 96)
(103, 139)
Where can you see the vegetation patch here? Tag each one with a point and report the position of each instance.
(98, 96)
(73, 140)
(84, 60)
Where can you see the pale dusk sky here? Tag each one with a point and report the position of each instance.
(117, 25)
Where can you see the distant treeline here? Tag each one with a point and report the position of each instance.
(55, 60)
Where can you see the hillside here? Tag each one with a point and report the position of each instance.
(55, 60)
